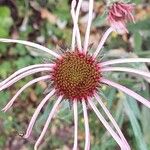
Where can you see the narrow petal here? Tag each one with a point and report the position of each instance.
(132, 18)
(86, 124)
(127, 91)
(76, 32)
(123, 9)
(31, 44)
(115, 12)
(52, 113)
(75, 109)
(113, 122)
(78, 9)
(124, 60)
(121, 27)
(106, 124)
(101, 43)
(27, 73)
(73, 4)
(36, 113)
(24, 70)
(130, 70)
(90, 17)
(22, 89)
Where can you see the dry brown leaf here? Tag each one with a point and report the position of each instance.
(45, 14)
(33, 96)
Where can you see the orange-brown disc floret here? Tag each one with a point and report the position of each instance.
(76, 76)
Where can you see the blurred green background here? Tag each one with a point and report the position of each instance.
(48, 22)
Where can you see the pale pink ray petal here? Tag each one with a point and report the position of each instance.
(10, 103)
(78, 9)
(31, 44)
(73, 4)
(113, 122)
(101, 43)
(132, 18)
(124, 60)
(127, 91)
(27, 73)
(115, 12)
(87, 33)
(75, 109)
(106, 124)
(24, 70)
(121, 29)
(52, 113)
(86, 124)
(124, 69)
(123, 9)
(76, 32)
(36, 113)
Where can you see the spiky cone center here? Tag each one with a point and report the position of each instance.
(76, 76)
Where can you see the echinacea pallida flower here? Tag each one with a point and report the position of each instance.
(76, 75)
(118, 14)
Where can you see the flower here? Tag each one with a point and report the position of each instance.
(76, 75)
(118, 14)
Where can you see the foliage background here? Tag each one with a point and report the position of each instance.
(49, 23)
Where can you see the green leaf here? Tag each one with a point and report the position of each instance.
(20, 49)
(140, 143)
(65, 112)
(137, 42)
(5, 96)
(141, 25)
(145, 120)
(135, 108)
(62, 10)
(5, 11)
(100, 20)
(5, 69)
(135, 1)
(109, 96)
(6, 21)
(23, 61)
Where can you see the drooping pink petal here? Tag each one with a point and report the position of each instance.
(124, 60)
(87, 33)
(120, 27)
(75, 109)
(10, 103)
(19, 77)
(86, 124)
(124, 69)
(52, 113)
(127, 91)
(36, 113)
(106, 124)
(126, 145)
(31, 44)
(24, 70)
(101, 43)
(75, 17)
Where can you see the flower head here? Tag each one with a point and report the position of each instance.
(76, 75)
(78, 82)
(118, 14)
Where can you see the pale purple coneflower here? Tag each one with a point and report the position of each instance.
(118, 14)
(76, 76)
